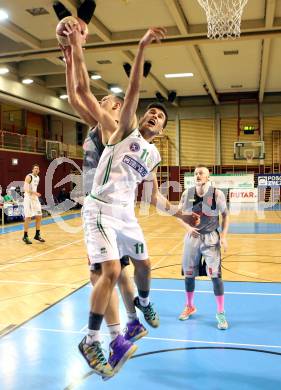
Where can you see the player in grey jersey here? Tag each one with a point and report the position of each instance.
(204, 240)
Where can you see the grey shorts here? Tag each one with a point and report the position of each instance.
(207, 246)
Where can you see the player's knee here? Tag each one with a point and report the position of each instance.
(218, 286)
(189, 284)
(142, 266)
(190, 273)
(111, 271)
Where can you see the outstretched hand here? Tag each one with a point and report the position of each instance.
(73, 33)
(153, 34)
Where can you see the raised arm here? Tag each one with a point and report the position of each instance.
(73, 98)
(132, 94)
(82, 82)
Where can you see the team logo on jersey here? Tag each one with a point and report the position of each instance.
(134, 147)
(103, 251)
(135, 165)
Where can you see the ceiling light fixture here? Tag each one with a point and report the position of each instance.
(178, 75)
(4, 71)
(27, 81)
(63, 96)
(95, 76)
(3, 15)
(115, 89)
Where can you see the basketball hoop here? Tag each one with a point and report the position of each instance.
(223, 17)
(249, 155)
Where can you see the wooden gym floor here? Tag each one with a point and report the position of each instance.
(33, 277)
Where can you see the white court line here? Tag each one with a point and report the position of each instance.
(82, 330)
(28, 258)
(211, 292)
(39, 283)
(214, 342)
(161, 338)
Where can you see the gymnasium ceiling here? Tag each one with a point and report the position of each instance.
(29, 48)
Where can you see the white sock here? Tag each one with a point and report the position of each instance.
(132, 316)
(92, 336)
(144, 301)
(114, 330)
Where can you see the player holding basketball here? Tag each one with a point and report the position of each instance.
(111, 228)
(204, 240)
(31, 204)
(108, 114)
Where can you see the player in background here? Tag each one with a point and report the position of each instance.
(204, 240)
(31, 204)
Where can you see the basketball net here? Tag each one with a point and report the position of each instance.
(249, 155)
(223, 17)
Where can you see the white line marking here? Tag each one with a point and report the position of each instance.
(162, 338)
(39, 254)
(52, 330)
(214, 342)
(211, 292)
(84, 328)
(39, 283)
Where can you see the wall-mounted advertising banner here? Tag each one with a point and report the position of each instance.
(269, 180)
(224, 181)
(238, 195)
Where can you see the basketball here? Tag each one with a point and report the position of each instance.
(62, 39)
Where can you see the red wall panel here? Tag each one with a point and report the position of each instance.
(10, 173)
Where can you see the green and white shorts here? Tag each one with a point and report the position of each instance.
(111, 235)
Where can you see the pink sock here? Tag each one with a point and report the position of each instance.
(190, 298)
(220, 303)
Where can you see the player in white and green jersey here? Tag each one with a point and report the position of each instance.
(102, 117)
(111, 228)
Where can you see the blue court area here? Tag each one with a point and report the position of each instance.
(259, 227)
(43, 354)
(254, 228)
(18, 227)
